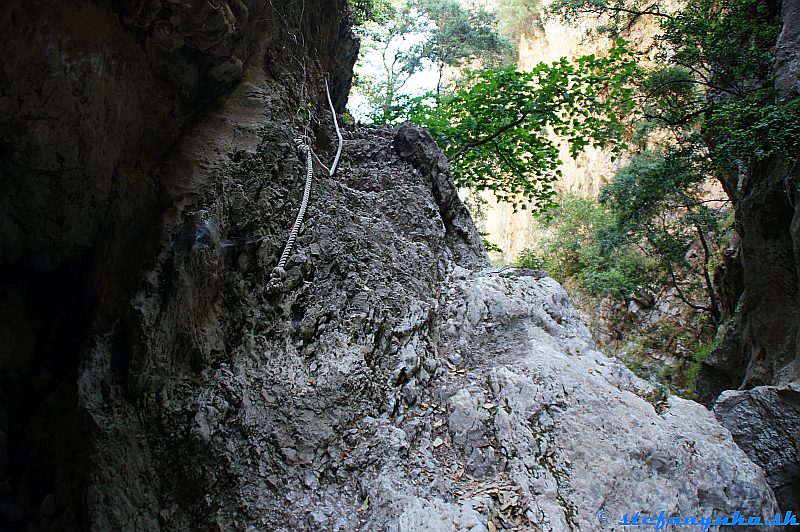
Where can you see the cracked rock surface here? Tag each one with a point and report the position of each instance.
(395, 383)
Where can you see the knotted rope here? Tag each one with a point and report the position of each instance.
(278, 274)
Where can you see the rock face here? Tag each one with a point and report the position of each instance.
(393, 383)
(561, 429)
(388, 387)
(765, 422)
(761, 348)
(93, 98)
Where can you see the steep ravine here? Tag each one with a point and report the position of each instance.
(149, 380)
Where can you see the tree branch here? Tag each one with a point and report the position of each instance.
(683, 120)
(689, 206)
(490, 138)
(712, 296)
(650, 10)
(681, 295)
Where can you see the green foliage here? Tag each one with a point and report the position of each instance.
(531, 259)
(699, 355)
(496, 129)
(490, 246)
(672, 98)
(578, 248)
(727, 44)
(715, 59)
(370, 11)
(652, 184)
(727, 47)
(747, 131)
(410, 35)
(638, 367)
(462, 36)
(709, 93)
(658, 202)
(391, 38)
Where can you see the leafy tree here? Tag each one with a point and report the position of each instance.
(707, 96)
(530, 258)
(712, 74)
(658, 200)
(462, 37)
(639, 233)
(581, 247)
(365, 11)
(707, 72)
(415, 33)
(398, 41)
(496, 130)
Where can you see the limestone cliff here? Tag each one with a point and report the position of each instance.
(149, 380)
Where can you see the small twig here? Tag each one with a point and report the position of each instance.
(325, 166)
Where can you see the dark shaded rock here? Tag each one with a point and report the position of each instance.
(787, 52)
(94, 97)
(763, 347)
(96, 100)
(728, 278)
(418, 147)
(770, 305)
(765, 423)
(721, 371)
(203, 365)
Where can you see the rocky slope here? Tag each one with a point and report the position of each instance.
(387, 387)
(150, 381)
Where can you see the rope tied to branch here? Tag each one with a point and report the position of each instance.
(278, 275)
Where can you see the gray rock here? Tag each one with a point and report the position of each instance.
(418, 147)
(358, 424)
(578, 430)
(765, 423)
(115, 117)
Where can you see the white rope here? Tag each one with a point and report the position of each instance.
(338, 132)
(278, 274)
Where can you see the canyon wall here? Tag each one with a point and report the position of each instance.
(756, 366)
